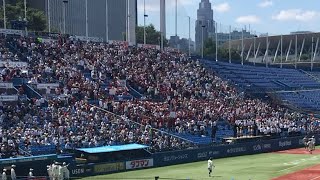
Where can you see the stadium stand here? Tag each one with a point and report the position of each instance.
(86, 94)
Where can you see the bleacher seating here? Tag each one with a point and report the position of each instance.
(308, 100)
(267, 79)
(296, 83)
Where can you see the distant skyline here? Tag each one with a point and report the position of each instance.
(263, 16)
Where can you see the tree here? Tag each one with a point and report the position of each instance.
(152, 35)
(223, 53)
(15, 11)
(209, 49)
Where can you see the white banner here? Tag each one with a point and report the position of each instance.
(149, 46)
(9, 98)
(11, 31)
(137, 164)
(122, 83)
(6, 85)
(48, 85)
(84, 38)
(13, 64)
(48, 40)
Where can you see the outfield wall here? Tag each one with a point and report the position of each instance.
(191, 155)
(159, 159)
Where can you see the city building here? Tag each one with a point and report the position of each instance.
(76, 17)
(234, 35)
(204, 24)
(181, 44)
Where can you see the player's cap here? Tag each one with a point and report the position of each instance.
(31, 169)
(13, 165)
(4, 169)
(210, 158)
(313, 136)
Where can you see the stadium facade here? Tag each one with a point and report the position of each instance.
(294, 48)
(76, 17)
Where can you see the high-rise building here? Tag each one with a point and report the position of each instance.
(204, 23)
(76, 17)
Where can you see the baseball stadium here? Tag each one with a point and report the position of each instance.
(88, 92)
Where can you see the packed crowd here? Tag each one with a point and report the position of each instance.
(180, 96)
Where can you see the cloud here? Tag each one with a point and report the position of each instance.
(151, 6)
(250, 19)
(296, 15)
(154, 6)
(223, 7)
(265, 3)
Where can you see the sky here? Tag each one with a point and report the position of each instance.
(274, 17)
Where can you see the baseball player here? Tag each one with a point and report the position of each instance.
(60, 172)
(313, 141)
(49, 169)
(31, 173)
(66, 173)
(55, 171)
(310, 146)
(13, 173)
(305, 142)
(4, 174)
(210, 166)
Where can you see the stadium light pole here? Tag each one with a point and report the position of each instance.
(203, 26)
(267, 49)
(296, 52)
(242, 47)
(49, 16)
(281, 41)
(229, 44)
(176, 24)
(128, 21)
(25, 15)
(189, 36)
(216, 33)
(87, 26)
(312, 42)
(64, 15)
(107, 22)
(4, 14)
(144, 22)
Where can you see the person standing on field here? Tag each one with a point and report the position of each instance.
(4, 174)
(210, 166)
(13, 173)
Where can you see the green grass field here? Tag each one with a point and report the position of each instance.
(253, 167)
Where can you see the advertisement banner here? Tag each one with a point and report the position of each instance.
(28, 159)
(49, 85)
(84, 38)
(220, 151)
(11, 31)
(110, 167)
(6, 85)
(12, 64)
(79, 171)
(137, 164)
(9, 98)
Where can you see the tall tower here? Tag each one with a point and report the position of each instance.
(163, 19)
(204, 22)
